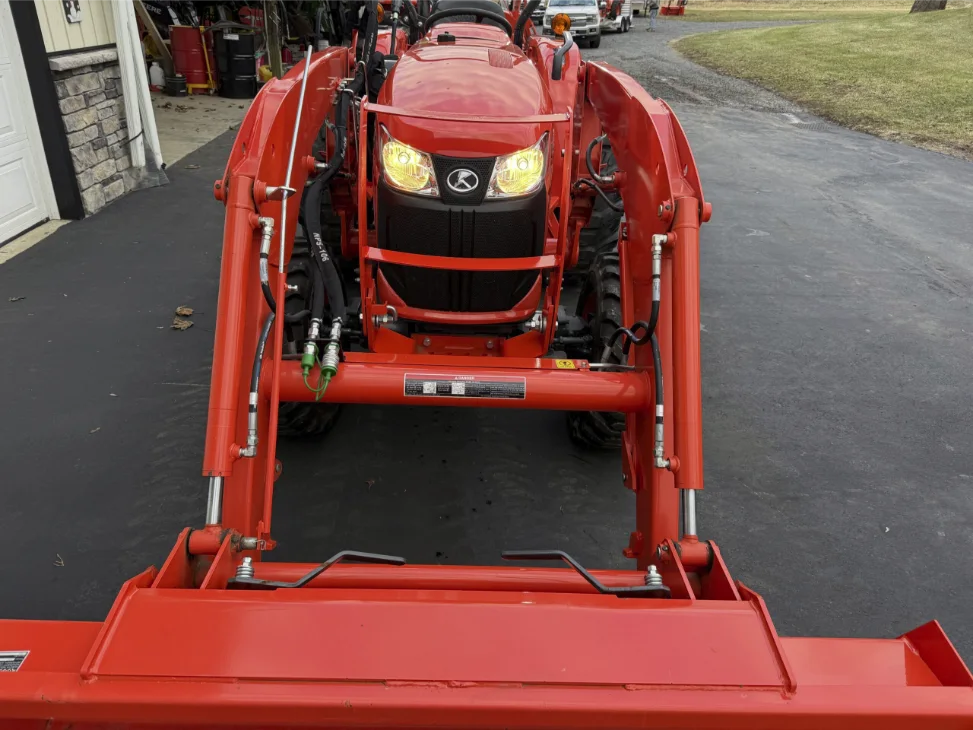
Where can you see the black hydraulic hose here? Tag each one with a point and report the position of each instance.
(327, 279)
(591, 168)
(258, 358)
(598, 180)
(265, 288)
(618, 208)
(250, 450)
(312, 200)
(525, 13)
(657, 371)
(318, 288)
(368, 33)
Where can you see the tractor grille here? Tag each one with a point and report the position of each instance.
(495, 229)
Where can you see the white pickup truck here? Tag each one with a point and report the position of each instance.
(585, 20)
(616, 15)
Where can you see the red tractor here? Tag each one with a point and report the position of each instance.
(401, 215)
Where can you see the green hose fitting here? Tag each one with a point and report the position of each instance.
(308, 358)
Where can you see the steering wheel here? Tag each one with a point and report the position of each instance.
(479, 13)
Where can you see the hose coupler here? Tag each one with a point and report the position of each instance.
(250, 450)
(311, 347)
(332, 352)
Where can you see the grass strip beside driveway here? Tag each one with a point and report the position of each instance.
(907, 78)
(711, 11)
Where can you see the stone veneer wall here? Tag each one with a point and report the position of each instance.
(89, 91)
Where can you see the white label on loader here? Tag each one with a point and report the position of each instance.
(10, 661)
(464, 386)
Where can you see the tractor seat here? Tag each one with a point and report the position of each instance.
(473, 4)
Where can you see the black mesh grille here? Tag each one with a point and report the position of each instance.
(482, 167)
(506, 229)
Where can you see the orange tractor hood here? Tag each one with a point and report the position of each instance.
(479, 74)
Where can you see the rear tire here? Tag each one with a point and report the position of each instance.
(601, 302)
(626, 25)
(305, 419)
(601, 233)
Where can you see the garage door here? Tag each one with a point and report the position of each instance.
(25, 185)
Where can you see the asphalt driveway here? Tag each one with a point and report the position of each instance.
(837, 341)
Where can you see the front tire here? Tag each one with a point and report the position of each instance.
(600, 303)
(595, 42)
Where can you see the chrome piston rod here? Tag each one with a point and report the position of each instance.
(214, 501)
(688, 512)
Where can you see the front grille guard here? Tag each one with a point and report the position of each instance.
(560, 125)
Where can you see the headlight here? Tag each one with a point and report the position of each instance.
(520, 173)
(592, 19)
(406, 168)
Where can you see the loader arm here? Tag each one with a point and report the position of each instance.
(220, 637)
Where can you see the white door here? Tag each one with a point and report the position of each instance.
(26, 195)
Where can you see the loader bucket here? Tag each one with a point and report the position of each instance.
(437, 646)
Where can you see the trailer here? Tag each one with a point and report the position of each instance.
(616, 15)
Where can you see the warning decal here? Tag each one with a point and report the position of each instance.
(565, 365)
(465, 386)
(10, 661)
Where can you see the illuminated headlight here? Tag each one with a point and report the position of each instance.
(406, 168)
(520, 173)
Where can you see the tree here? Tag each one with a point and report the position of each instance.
(923, 6)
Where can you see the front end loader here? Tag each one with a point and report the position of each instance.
(401, 214)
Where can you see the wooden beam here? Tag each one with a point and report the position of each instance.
(272, 33)
(157, 39)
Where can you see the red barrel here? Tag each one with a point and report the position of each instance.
(186, 44)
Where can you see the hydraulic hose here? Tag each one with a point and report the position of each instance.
(591, 168)
(647, 327)
(608, 201)
(659, 452)
(266, 233)
(250, 450)
(598, 180)
(312, 200)
(327, 279)
(317, 293)
(259, 356)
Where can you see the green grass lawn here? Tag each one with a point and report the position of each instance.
(730, 10)
(907, 78)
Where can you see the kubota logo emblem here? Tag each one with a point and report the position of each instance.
(462, 181)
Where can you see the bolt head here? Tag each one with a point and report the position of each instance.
(660, 211)
(247, 560)
(489, 344)
(426, 342)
